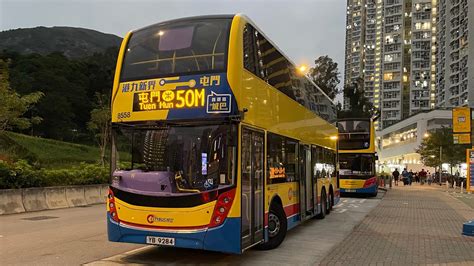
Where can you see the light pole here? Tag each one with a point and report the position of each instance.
(440, 163)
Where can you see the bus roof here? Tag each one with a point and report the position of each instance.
(230, 16)
(281, 52)
(223, 16)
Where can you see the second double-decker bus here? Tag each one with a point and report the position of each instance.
(357, 156)
(217, 143)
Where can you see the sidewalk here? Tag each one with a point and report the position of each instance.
(411, 225)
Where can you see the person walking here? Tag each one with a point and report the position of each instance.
(396, 175)
(405, 177)
(422, 175)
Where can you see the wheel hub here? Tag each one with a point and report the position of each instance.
(273, 225)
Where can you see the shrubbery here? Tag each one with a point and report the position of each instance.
(21, 174)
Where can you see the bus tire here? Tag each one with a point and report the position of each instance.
(277, 226)
(322, 214)
(331, 200)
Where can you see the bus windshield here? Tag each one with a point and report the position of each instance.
(192, 46)
(356, 164)
(197, 157)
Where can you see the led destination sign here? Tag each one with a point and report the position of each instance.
(168, 99)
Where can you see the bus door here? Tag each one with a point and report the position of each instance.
(252, 211)
(306, 182)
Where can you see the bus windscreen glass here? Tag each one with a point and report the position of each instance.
(356, 164)
(188, 47)
(200, 155)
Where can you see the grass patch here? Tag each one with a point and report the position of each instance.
(49, 153)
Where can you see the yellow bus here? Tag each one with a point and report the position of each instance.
(357, 156)
(217, 142)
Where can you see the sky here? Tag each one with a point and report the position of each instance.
(302, 29)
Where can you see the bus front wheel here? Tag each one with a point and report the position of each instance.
(277, 226)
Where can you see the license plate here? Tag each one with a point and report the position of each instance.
(163, 241)
(350, 190)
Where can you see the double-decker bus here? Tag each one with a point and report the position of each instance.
(217, 142)
(357, 156)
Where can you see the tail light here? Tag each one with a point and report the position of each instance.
(370, 182)
(111, 205)
(221, 210)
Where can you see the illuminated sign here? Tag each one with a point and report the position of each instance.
(470, 169)
(171, 98)
(461, 138)
(168, 99)
(218, 103)
(461, 120)
(277, 172)
(204, 163)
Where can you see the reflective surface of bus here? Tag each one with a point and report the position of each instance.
(218, 143)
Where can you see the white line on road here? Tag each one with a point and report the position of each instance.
(340, 210)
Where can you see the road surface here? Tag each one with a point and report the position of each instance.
(78, 235)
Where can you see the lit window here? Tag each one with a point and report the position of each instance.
(388, 76)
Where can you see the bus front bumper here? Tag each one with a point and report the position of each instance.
(368, 190)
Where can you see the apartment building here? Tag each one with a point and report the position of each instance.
(455, 57)
(363, 31)
(399, 67)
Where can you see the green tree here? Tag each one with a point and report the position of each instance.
(359, 105)
(326, 75)
(99, 123)
(69, 86)
(441, 138)
(13, 106)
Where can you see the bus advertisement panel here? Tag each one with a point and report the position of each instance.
(205, 154)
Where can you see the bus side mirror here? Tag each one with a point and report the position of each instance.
(376, 157)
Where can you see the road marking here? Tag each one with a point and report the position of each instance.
(340, 210)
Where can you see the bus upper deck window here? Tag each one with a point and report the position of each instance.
(175, 39)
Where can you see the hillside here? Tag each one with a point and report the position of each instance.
(48, 152)
(72, 42)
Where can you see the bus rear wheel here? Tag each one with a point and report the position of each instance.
(277, 226)
(330, 201)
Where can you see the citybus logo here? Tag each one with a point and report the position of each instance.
(152, 218)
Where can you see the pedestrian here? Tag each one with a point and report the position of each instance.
(396, 175)
(422, 175)
(411, 175)
(430, 178)
(405, 177)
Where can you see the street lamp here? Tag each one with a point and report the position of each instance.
(303, 69)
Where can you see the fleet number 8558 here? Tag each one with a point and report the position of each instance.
(123, 115)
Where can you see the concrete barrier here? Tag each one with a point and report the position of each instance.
(56, 197)
(11, 201)
(34, 199)
(49, 198)
(104, 191)
(75, 196)
(92, 195)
